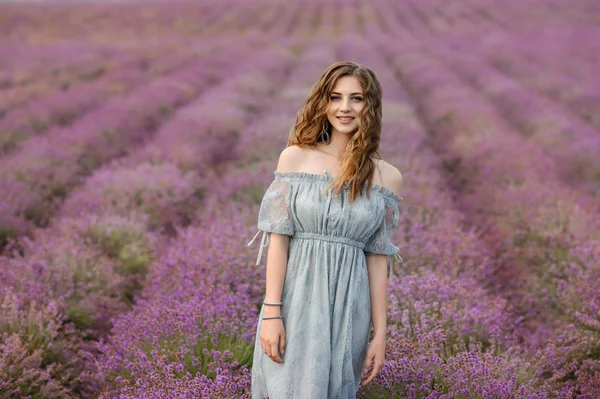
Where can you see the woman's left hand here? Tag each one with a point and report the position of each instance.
(374, 360)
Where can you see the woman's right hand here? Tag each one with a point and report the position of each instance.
(272, 338)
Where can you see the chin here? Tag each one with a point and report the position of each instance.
(345, 128)
(348, 130)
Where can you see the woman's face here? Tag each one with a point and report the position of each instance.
(346, 103)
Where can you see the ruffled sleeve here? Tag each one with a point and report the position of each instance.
(275, 214)
(381, 241)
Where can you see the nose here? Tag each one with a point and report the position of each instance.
(345, 106)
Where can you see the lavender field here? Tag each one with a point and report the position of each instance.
(137, 140)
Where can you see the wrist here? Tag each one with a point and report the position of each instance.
(379, 335)
(272, 311)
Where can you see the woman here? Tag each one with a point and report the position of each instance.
(327, 216)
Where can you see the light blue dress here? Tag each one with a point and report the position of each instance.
(326, 304)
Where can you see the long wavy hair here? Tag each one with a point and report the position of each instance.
(357, 164)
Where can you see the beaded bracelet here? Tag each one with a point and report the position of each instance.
(273, 303)
(272, 317)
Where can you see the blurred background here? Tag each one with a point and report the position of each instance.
(137, 140)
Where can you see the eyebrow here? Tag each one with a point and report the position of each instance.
(335, 92)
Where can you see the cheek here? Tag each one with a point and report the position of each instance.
(330, 110)
(359, 113)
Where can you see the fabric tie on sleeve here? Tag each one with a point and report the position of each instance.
(264, 242)
(399, 259)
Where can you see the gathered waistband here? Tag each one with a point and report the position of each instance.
(323, 237)
(264, 242)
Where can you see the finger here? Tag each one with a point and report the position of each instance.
(282, 344)
(368, 364)
(367, 371)
(275, 353)
(267, 349)
(262, 345)
(372, 375)
(366, 380)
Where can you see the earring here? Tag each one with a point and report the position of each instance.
(325, 133)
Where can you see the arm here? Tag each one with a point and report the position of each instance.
(377, 267)
(272, 334)
(277, 254)
(378, 282)
(377, 270)
(276, 268)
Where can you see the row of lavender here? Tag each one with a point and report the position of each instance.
(88, 265)
(42, 172)
(541, 228)
(30, 71)
(57, 109)
(550, 46)
(571, 139)
(34, 38)
(48, 69)
(37, 177)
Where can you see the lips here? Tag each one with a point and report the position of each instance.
(345, 118)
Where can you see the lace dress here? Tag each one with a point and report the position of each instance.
(326, 304)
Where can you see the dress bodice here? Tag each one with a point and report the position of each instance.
(301, 203)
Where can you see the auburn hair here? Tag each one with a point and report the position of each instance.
(357, 164)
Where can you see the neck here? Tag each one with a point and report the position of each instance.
(337, 145)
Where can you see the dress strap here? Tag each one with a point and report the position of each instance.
(264, 242)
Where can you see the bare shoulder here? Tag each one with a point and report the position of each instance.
(390, 176)
(289, 158)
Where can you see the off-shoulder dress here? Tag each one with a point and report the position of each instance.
(326, 304)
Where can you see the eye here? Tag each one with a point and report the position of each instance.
(334, 98)
(357, 99)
